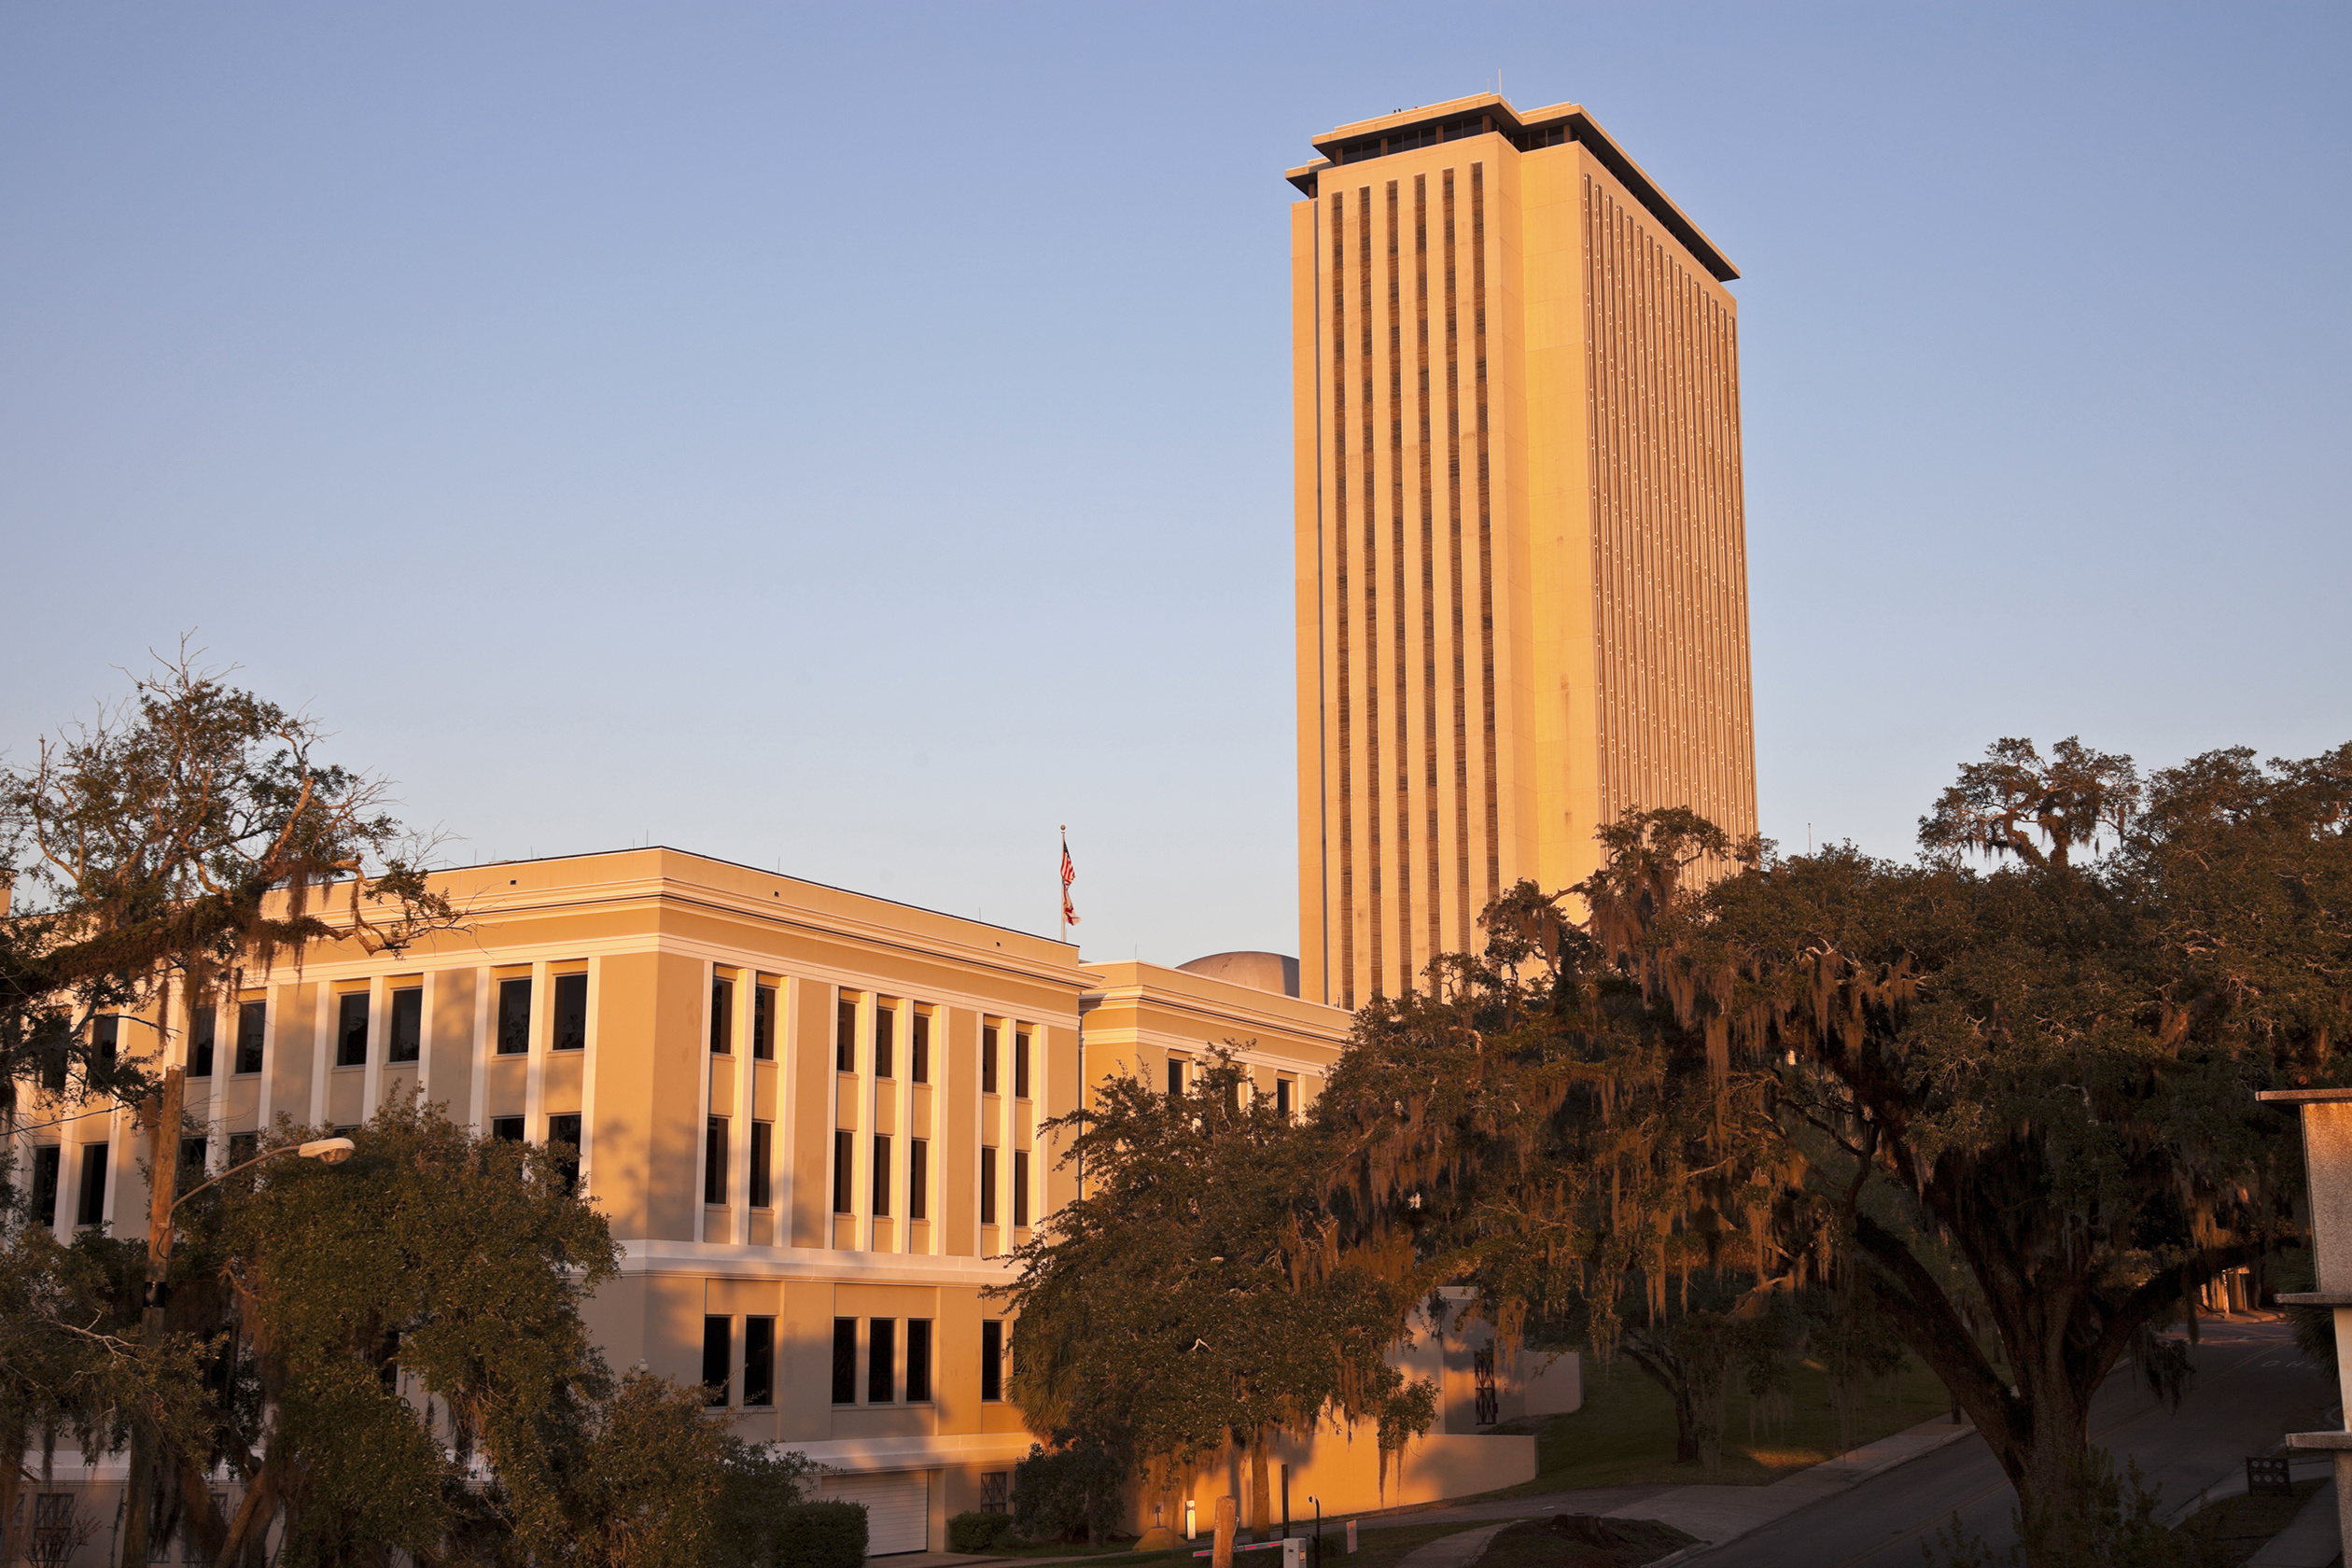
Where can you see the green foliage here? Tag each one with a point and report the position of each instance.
(821, 1535)
(2290, 1274)
(1070, 1494)
(975, 1531)
(2116, 1528)
(759, 1489)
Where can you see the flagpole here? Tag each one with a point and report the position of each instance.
(1061, 894)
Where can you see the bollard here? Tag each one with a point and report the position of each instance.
(2327, 1129)
(1222, 1556)
(1352, 1537)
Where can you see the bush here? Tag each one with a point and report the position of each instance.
(1067, 1495)
(978, 1531)
(758, 1490)
(821, 1535)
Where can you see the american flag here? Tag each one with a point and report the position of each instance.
(1070, 874)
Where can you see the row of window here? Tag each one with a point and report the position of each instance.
(763, 1162)
(1285, 1089)
(887, 1382)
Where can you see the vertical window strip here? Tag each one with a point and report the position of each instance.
(1453, 574)
(1396, 603)
(1486, 518)
(1430, 883)
(1371, 595)
(1339, 599)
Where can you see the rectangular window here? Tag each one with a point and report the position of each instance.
(918, 1048)
(407, 1025)
(252, 1016)
(1282, 1087)
(881, 1360)
(846, 1035)
(1021, 1065)
(58, 1042)
(762, 1156)
(881, 1174)
(47, 1162)
(717, 1359)
(514, 1016)
(351, 1030)
(1020, 1187)
(919, 1353)
(507, 1129)
(845, 1167)
(991, 1359)
(1175, 1077)
(242, 1146)
(191, 1171)
(93, 1209)
(105, 1038)
(200, 1043)
(758, 1362)
(715, 1160)
(918, 1179)
(722, 1017)
(989, 1060)
(988, 1186)
(565, 1130)
(570, 1032)
(844, 1365)
(763, 1023)
(884, 1041)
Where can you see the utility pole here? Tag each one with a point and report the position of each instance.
(162, 1114)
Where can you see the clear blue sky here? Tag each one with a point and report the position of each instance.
(857, 438)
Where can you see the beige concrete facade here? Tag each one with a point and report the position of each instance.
(1521, 601)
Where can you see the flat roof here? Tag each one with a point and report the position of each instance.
(1570, 119)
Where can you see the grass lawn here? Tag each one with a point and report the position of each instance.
(2243, 1523)
(1624, 1436)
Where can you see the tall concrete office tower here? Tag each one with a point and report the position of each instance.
(1521, 558)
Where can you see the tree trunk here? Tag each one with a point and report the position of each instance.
(1260, 1498)
(252, 1521)
(1686, 1424)
(12, 1485)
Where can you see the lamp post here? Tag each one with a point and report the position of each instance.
(163, 1114)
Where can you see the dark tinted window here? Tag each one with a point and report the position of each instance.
(989, 1060)
(762, 1156)
(881, 1361)
(918, 1357)
(191, 1171)
(1283, 1097)
(199, 1043)
(845, 1036)
(723, 1017)
(571, 1012)
(105, 1037)
(918, 1181)
(514, 1016)
(844, 1361)
(47, 1162)
(566, 1130)
(93, 1209)
(252, 1017)
(715, 1160)
(759, 1361)
(1021, 1065)
(351, 1030)
(988, 1186)
(507, 1129)
(717, 1355)
(242, 1146)
(1020, 1187)
(885, 1041)
(407, 1025)
(763, 1023)
(992, 1358)
(881, 1174)
(845, 1166)
(919, 1049)
(1175, 1077)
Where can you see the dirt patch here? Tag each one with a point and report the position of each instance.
(1582, 1541)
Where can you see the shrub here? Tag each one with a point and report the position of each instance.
(1067, 1495)
(978, 1531)
(757, 1492)
(821, 1535)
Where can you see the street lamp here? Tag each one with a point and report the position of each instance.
(162, 1182)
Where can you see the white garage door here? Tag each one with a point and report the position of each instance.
(898, 1509)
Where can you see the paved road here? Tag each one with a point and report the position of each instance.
(2252, 1387)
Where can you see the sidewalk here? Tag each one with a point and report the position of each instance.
(2312, 1540)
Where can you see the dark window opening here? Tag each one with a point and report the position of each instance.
(884, 1041)
(881, 1175)
(93, 1209)
(1283, 1097)
(105, 1040)
(715, 1160)
(918, 1179)
(989, 1060)
(252, 1020)
(1021, 1065)
(845, 1167)
(514, 1017)
(844, 1361)
(564, 1131)
(845, 1036)
(723, 1017)
(571, 1014)
(881, 1360)
(55, 1051)
(919, 1049)
(191, 1162)
(991, 1360)
(1020, 1187)
(200, 1043)
(387, 1363)
(919, 1360)
(763, 1023)
(762, 1156)
(407, 1025)
(48, 1163)
(758, 1362)
(242, 1146)
(988, 1186)
(351, 1030)
(507, 1129)
(717, 1359)
(1175, 1077)
(996, 1492)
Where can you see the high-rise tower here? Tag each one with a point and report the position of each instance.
(1521, 558)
